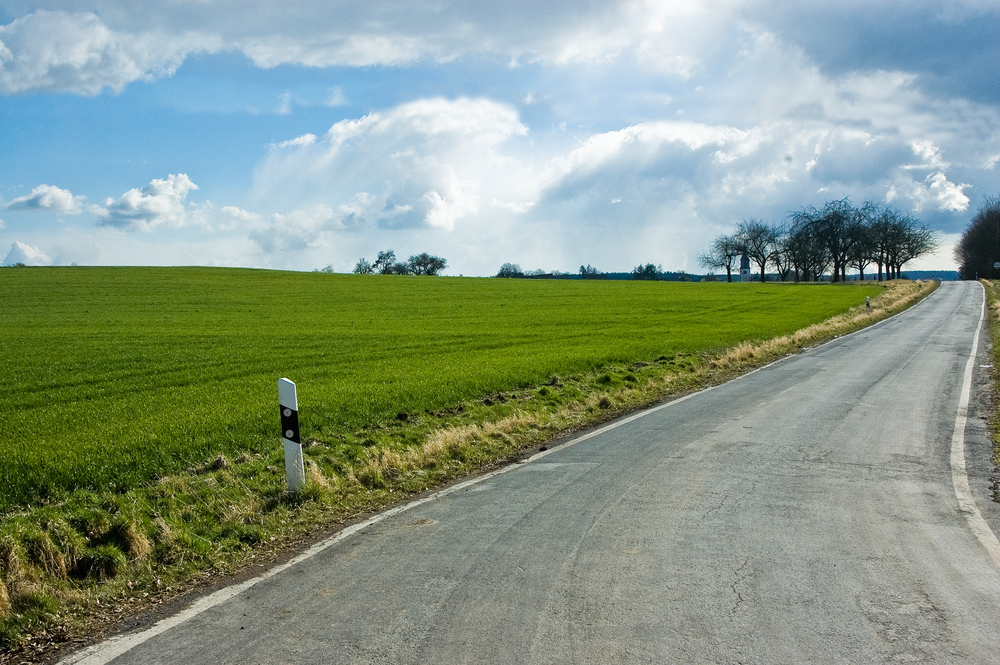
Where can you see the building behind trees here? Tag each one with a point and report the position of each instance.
(814, 242)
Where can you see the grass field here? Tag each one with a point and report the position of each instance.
(117, 376)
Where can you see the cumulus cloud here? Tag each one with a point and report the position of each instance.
(297, 230)
(48, 197)
(934, 193)
(29, 255)
(429, 163)
(78, 52)
(160, 203)
(86, 52)
(448, 165)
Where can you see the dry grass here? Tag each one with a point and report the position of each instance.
(521, 430)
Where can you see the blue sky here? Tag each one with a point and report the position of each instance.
(304, 134)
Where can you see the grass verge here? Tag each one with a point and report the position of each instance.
(72, 568)
(993, 329)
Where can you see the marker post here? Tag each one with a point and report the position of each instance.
(289, 403)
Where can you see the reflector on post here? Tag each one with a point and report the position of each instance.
(288, 401)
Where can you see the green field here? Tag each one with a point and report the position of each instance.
(114, 377)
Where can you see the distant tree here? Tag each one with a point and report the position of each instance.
(398, 268)
(781, 257)
(836, 228)
(758, 241)
(883, 230)
(385, 262)
(425, 264)
(861, 251)
(648, 271)
(510, 270)
(362, 267)
(722, 255)
(915, 240)
(589, 272)
(979, 247)
(806, 255)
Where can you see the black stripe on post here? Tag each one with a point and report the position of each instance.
(290, 424)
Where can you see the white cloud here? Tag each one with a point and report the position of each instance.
(48, 197)
(935, 193)
(428, 163)
(160, 203)
(297, 230)
(304, 140)
(459, 200)
(668, 186)
(237, 214)
(337, 97)
(26, 254)
(78, 52)
(285, 104)
(85, 52)
(930, 153)
(233, 217)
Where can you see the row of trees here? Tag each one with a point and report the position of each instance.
(837, 237)
(514, 270)
(647, 271)
(979, 247)
(386, 264)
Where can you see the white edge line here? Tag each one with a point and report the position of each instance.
(106, 651)
(959, 475)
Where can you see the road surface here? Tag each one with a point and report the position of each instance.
(806, 512)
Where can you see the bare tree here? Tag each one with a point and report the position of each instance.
(837, 237)
(914, 240)
(830, 227)
(781, 257)
(979, 247)
(861, 250)
(808, 256)
(757, 241)
(722, 255)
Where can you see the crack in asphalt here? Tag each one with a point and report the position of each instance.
(739, 580)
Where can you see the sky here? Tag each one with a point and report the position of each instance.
(312, 133)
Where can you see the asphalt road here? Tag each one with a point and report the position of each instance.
(804, 513)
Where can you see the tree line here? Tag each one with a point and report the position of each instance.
(815, 241)
(979, 247)
(386, 264)
(647, 271)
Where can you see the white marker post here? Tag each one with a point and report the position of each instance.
(289, 402)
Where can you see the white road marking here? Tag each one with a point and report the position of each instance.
(959, 476)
